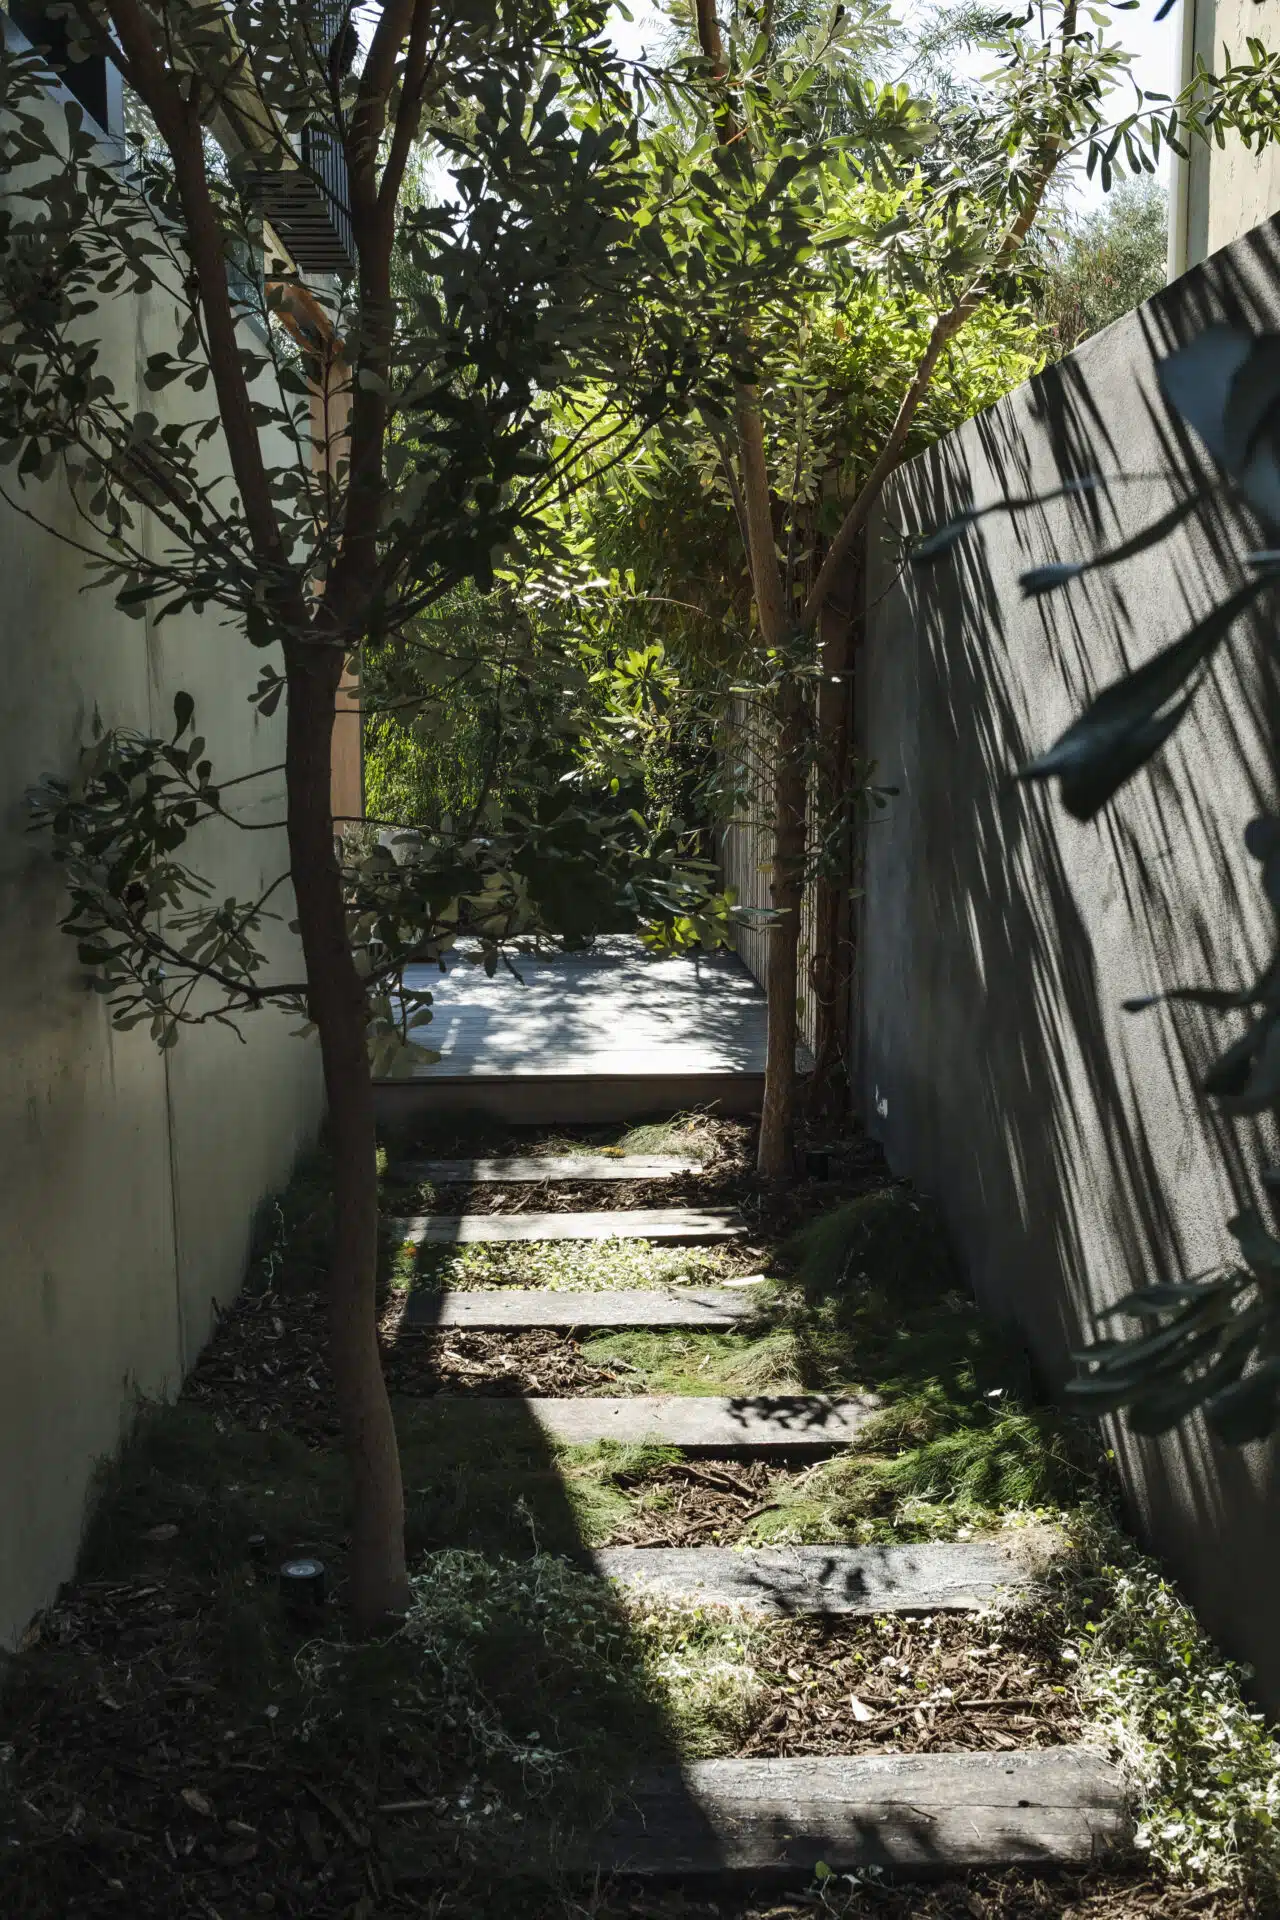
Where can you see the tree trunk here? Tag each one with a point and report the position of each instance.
(379, 1582)
(831, 963)
(775, 1158)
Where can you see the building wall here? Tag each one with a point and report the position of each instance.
(128, 1179)
(1220, 193)
(998, 937)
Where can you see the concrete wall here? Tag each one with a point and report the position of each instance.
(128, 1180)
(999, 937)
(1220, 193)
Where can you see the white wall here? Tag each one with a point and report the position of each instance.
(128, 1180)
(1219, 194)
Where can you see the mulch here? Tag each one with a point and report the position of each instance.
(544, 1362)
(698, 1504)
(933, 1685)
(1097, 1895)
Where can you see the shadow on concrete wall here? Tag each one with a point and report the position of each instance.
(1063, 1138)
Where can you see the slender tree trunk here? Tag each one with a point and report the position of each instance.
(831, 964)
(775, 1158)
(379, 1582)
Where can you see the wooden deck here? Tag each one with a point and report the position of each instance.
(606, 1035)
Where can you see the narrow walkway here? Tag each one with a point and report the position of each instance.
(770, 1818)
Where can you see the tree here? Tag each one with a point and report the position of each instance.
(955, 218)
(1103, 266)
(318, 489)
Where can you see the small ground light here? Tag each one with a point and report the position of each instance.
(302, 1584)
(817, 1163)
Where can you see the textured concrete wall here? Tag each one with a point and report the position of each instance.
(1228, 190)
(998, 937)
(128, 1180)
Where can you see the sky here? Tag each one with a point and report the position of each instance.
(1153, 43)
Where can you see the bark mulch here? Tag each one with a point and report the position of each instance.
(702, 1504)
(944, 1684)
(497, 1365)
(1012, 1896)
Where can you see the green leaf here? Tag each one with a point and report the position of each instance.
(184, 708)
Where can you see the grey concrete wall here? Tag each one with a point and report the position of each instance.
(999, 937)
(128, 1180)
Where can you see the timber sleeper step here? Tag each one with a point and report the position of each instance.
(649, 1223)
(521, 1170)
(493, 1309)
(939, 1577)
(770, 1426)
(914, 1814)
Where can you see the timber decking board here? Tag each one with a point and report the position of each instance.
(940, 1577)
(931, 1813)
(607, 1035)
(803, 1426)
(552, 1166)
(633, 1223)
(499, 1308)
(611, 1011)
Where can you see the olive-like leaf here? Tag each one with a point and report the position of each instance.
(1125, 725)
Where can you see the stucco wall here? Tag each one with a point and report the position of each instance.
(128, 1180)
(1221, 193)
(999, 937)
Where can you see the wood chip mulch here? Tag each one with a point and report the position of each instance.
(941, 1684)
(544, 1362)
(699, 1503)
(1097, 1895)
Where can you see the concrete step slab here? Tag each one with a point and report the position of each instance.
(774, 1426)
(920, 1815)
(942, 1577)
(517, 1170)
(634, 1223)
(493, 1309)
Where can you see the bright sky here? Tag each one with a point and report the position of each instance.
(1154, 45)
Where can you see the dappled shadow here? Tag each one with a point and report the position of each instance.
(920, 1815)
(1064, 1142)
(789, 1582)
(483, 1475)
(610, 1009)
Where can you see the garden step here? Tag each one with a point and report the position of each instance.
(501, 1308)
(552, 1166)
(800, 1426)
(940, 1577)
(921, 1814)
(650, 1223)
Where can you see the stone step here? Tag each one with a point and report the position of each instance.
(518, 1170)
(942, 1577)
(778, 1426)
(505, 1308)
(930, 1814)
(650, 1223)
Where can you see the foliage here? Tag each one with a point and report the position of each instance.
(1204, 1765)
(150, 941)
(525, 284)
(1104, 265)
